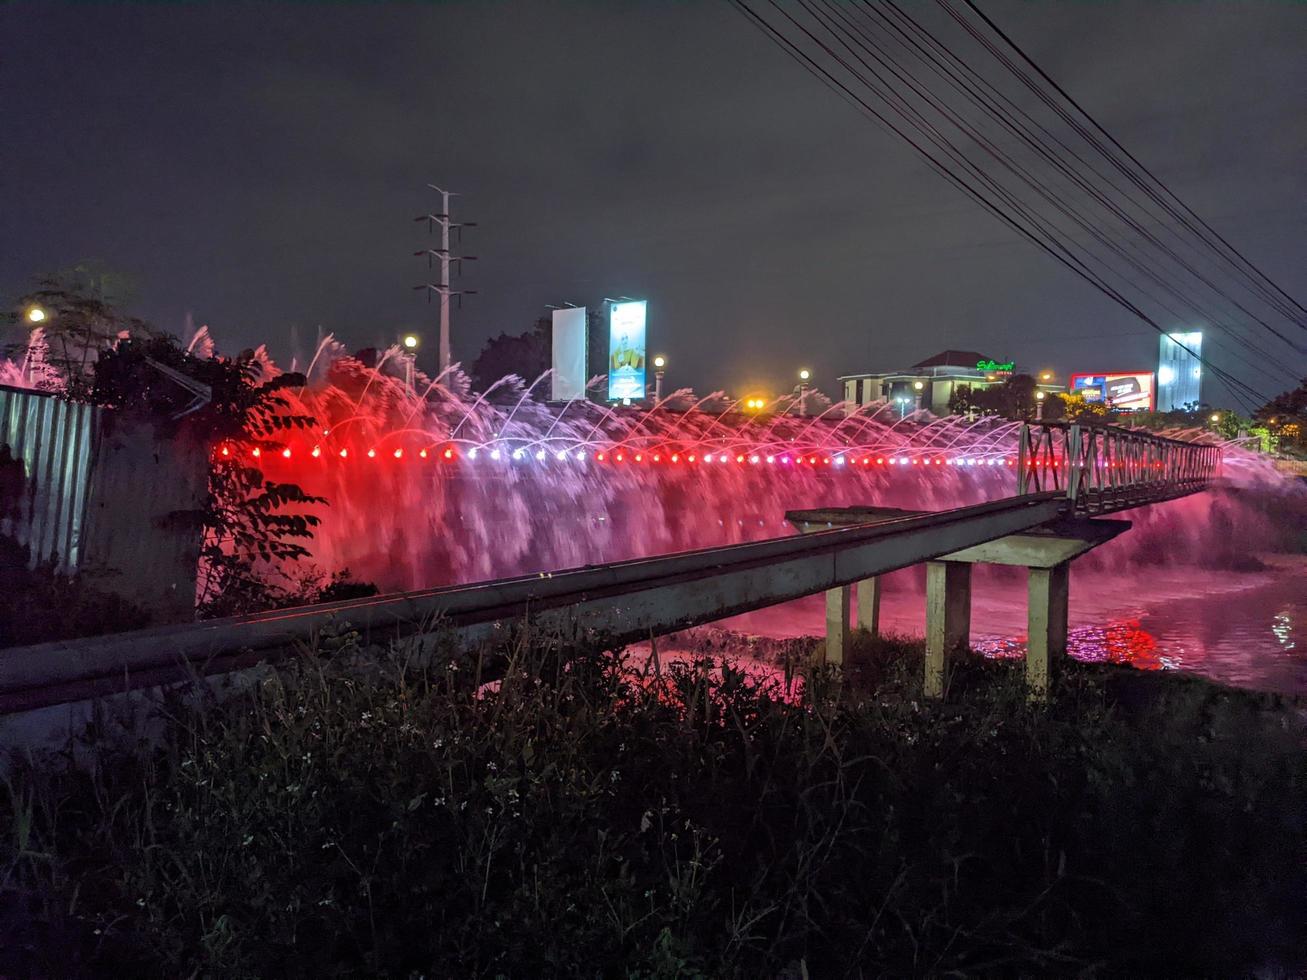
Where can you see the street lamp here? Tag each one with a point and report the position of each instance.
(1046, 376)
(410, 342)
(1039, 404)
(36, 314)
(804, 375)
(660, 362)
(1216, 417)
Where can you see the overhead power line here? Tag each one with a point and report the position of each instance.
(913, 85)
(1298, 310)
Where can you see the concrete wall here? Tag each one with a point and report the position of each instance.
(142, 529)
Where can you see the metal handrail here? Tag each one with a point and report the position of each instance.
(1102, 468)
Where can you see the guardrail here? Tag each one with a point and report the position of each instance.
(613, 603)
(1103, 468)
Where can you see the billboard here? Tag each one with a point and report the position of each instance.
(626, 349)
(569, 337)
(1131, 392)
(1179, 371)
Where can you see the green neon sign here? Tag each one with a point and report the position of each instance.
(995, 366)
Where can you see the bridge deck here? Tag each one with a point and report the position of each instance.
(614, 603)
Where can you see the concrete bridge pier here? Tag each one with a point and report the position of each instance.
(948, 619)
(837, 624)
(1046, 625)
(869, 605)
(866, 615)
(1046, 552)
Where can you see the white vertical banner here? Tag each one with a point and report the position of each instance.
(1179, 371)
(569, 342)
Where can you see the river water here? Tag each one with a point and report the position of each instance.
(1243, 628)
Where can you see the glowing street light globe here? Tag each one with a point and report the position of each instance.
(1039, 395)
(804, 374)
(918, 385)
(411, 341)
(36, 314)
(660, 361)
(1216, 417)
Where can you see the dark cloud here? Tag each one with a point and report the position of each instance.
(260, 166)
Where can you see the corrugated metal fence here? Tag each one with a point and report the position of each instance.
(45, 475)
(92, 492)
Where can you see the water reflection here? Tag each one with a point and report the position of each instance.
(1282, 627)
(1122, 641)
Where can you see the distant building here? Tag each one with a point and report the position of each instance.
(930, 383)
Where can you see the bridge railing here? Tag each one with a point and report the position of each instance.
(1104, 468)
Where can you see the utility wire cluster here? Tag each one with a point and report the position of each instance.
(991, 122)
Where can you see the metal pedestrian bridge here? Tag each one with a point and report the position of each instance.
(1068, 475)
(1103, 468)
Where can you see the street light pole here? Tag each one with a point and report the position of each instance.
(804, 375)
(660, 362)
(410, 360)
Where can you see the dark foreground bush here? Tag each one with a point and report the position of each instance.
(587, 819)
(40, 604)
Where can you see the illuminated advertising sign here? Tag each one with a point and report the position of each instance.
(626, 349)
(1120, 392)
(568, 379)
(998, 367)
(1180, 371)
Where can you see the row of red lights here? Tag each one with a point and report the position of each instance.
(620, 457)
(450, 454)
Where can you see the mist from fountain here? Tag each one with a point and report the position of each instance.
(439, 486)
(436, 485)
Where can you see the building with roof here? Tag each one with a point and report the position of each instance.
(930, 383)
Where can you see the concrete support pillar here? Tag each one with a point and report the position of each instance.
(1047, 623)
(869, 605)
(948, 618)
(837, 624)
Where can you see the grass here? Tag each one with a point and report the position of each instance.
(360, 815)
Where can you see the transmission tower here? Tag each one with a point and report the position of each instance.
(444, 218)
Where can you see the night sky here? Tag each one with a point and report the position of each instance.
(259, 169)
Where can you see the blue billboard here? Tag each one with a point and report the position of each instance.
(626, 350)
